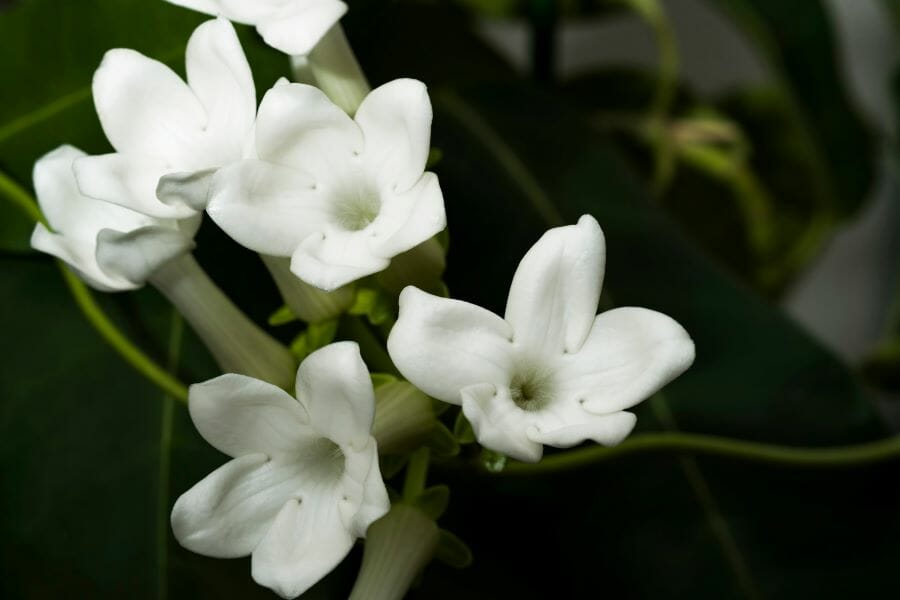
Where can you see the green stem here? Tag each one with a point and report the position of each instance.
(109, 332)
(13, 192)
(650, 443)
(666, 87)
(416, 474)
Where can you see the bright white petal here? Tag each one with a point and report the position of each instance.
(135, 255)
(298, 126)
(228, 513)
(331, 260)
(240, 415)
(629, 355)
(129, 181)
(145, 108)
(442, 346)
(396, 122)
(218, 73)
(298, 31)
(608, 430)
(306, 541)
(266, 207)
(364, 496)
(68, 211)
(79, 255)
(498, 423)
(554, 294)
(334, 385)
(408, 219)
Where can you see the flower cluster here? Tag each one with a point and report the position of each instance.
(329, 199)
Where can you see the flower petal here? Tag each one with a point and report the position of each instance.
(129, 181)
(80, 256)
(442, 346)
(333, 384)
(554, 294)
(189, 189)
(395, 119)
(228, 512)
(70, 212)
(218, 73)
(364, 495)
(629, 355)
(498, 423)
(298, 126)
(268, 208)
(608, 430)
(329, 261)
(241, 415)
(306, 541)
(410, 218)
(297, 32)
(135, 255)
(145, 108)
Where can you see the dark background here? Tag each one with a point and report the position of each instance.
(769, 223)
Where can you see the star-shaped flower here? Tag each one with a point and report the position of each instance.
(111, 247)
(304, 482)
(340, 196)
(292, 26)
(159, 124)
(552, 371)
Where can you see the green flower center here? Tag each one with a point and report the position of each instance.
(325, 458)
(356, 210)
(531, 389)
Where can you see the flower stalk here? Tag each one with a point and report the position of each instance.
(307, 302)
(238, 344)
(398, 547)
(337, 71)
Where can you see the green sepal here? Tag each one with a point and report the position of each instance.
(391, 464)
(282, 316)
(439, 407)
(493, 461)
(442, 441)
(452, 551)
(433, 501)
(462, 429)
(316, 336)
(373, 304)
(380, 379)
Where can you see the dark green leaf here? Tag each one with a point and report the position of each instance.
(452, 551)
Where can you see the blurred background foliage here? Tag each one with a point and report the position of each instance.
(719, 196)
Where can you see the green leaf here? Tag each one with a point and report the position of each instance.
(757, 377)
(392, 464)
(799, 44)
(380, 379)
(452, 551)
(433, 501)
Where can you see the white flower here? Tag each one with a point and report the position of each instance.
(292, 26)
(112, 248)
(340, 196)
(553, 371)
(159, 124)
(304, 482)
